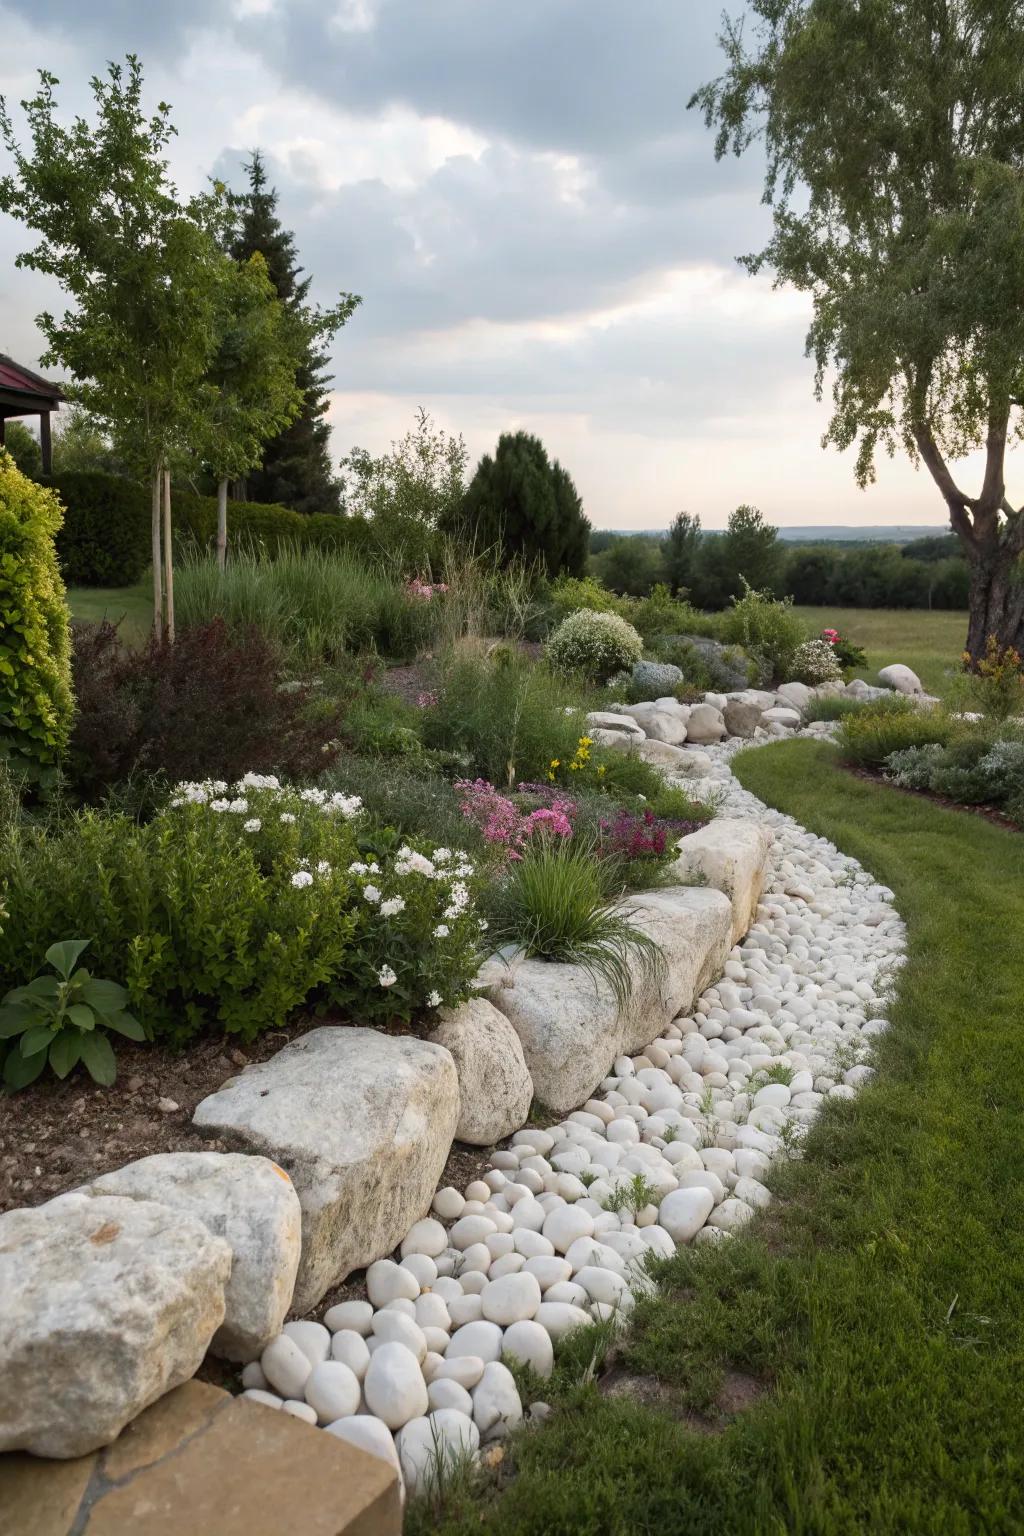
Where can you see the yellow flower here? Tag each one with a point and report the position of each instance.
(556, 762)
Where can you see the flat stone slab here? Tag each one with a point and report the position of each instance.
(363, 1123)
(203, 1462)
(731, 853)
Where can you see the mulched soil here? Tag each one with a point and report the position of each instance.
(988, 812)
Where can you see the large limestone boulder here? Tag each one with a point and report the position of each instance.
(691, 764)
(857, 688)
(705, 724)
(568, 1025)
(251, 1203)
(611, 720)
(107, 1303)
(667, 725)
(741, 718)
(759, 696)
(691, 926)
(569, 1021)
(495, 1086)
(795, 695)
(731, 853)
(661, 755)
(362, 1122)
(784, 716)
(901, 678)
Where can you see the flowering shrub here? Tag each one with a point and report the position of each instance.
(996, 684)
(596, 644)
(505, 825)
(237, 904)
(579, 763)
(815, 662)
(846, 653)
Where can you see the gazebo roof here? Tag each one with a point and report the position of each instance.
(24, 393)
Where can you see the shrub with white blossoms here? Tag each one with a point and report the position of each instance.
(596, 644)
(384, 935)
(815, 662)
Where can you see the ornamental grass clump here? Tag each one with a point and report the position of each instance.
(885, 726)
(554, 906)
(596, 645)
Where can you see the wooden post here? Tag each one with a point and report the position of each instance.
(44, 442)
(158, 599)
(168, 557)
(222, 521)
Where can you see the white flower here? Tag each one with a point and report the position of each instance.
(392, 907)
(464, 871)
(313, 796)
(569, 710)
(346, 806)
(442, 855)
(258, 781)
(252, 825)
(386, 976)
(373, 869)
(220, 805)
(434, 1000)
(410, 862)
(372, 894)
(358, 869)
(483, 924)
(323, 868)
(239, 807)
(301, 879)
(441, 931)
(287, 817)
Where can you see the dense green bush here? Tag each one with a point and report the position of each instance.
(505, 717)
(106, 539)
(767, 629)
(885, 726)
(524, 504)
(35, 650)
(973, 769)
(235, 906)
(878, 576)
(594, 644)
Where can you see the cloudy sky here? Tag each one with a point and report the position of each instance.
(537, 225)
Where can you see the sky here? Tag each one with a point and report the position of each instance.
(536, 223)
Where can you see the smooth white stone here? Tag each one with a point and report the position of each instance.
(350, 1348)
(531, 1344)
(268, 1399)
(299, 1410)
(286, 1366)
(497, 1408)
(511, 1299)
(683, 1212)
(427, 1236)
(386, 1281)
(465, 1369)
(394, 1387)
(559, 1318)
(422, 1269)
(369, 1434)
(445, 1393)
(444, 1437)
(479, 1338)
(332, 1391)
(312, 1338)
(396, 1328)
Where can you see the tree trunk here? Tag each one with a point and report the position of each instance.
(158, 597)
(222, 521)
(168, 558)
(996, 603)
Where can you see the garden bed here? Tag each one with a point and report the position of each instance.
(990, 813)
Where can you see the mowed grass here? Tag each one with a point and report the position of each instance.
(131, 607)
(873, 1319)
(929, 642)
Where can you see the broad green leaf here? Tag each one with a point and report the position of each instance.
(62, 956)
(104, 996)
(20, 1070)
(82, 1016)
(125, 1025)
(98, 1057)
(65, 1052)
(36, 1039)
(43, 986)
(14, 1018)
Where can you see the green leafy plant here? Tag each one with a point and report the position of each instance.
(867, 738)
(632, 1196)
(767, 629)
(554, 905)
(63, 1019)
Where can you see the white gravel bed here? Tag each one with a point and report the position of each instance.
(674, 1148)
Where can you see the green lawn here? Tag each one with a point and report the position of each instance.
(929, 642)
(878, 1306)
(132, 606)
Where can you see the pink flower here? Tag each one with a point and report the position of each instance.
(427, 699)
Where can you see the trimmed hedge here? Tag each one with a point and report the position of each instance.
(35, 645)
(105, 540)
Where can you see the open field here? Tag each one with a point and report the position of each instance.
(132, 606)
(872, 1323)
(929, 642)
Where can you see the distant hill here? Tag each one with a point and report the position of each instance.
(827, 533)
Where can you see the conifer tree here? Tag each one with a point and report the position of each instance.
(296, 469)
